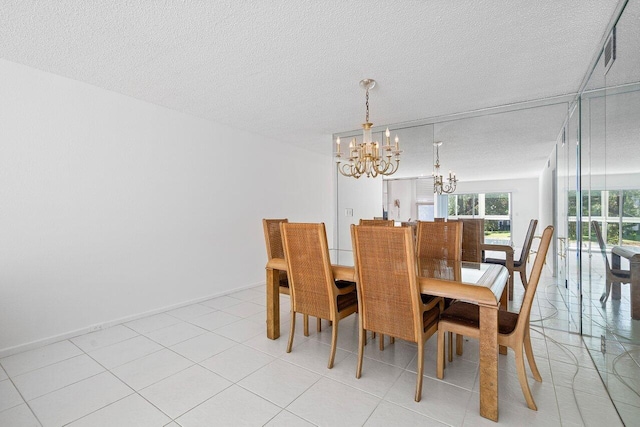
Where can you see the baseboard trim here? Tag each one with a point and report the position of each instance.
(5, 352)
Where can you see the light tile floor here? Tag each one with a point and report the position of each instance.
(211, 364)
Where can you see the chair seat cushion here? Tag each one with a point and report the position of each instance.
(516, 263)
(340, 284)
(464, 313)
(284, 281)
(347, 300)
(430, 317)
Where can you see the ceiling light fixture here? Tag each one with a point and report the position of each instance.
(439, 185)
(366, 158)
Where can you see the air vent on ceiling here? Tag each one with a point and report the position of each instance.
(610, 50)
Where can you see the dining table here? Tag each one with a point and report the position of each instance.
(632, 254)
(479, 283)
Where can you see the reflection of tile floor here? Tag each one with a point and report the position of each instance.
(619, 365)
(211, 364)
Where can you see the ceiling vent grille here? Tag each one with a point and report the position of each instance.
(610, 50)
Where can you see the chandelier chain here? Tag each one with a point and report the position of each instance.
(367, 104)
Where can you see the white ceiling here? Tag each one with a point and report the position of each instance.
(289, 69)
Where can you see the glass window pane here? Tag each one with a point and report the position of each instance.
(468, 204)
(631, 234)
(425, 213)
(453, 198)
(614, 204)
(571, 203)
(613, 236)
(631, 203)
(596, 204)
(588, 235)
(572, 231)
(496, 204)
(497, 231)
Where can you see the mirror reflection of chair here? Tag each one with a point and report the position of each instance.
(314, 291)
(388, 291)
(273, 240)
(472, 238)
(513, 328)
(519, 265)
(439, 240)
(613, 276)
(381, 222)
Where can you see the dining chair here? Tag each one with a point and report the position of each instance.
(314, 291)
(380, 222)
(519, 265)
(472, 238)
(441, 240)
(389, 297)
(273, 240)
(613, 276)
(513, 328)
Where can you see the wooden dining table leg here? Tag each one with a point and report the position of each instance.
(273, 304)
(489, 362)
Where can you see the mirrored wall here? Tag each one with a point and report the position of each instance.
(497, 154)
(604, 214)
(573, 162)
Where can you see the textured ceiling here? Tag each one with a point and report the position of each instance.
(290, 69)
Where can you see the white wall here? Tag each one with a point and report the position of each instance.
(111, 207)
(363, 198)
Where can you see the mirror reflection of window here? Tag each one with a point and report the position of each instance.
(495, 208)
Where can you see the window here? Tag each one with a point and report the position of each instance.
(495, 208)
(425, 212)
(618, 212)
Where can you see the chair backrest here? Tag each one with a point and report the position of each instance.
(309, 268)
(603, 246)
(386, 279)
(273, 238)
(536, 271)
(472, 239)
(528, 240)
(440, 240)
(380, 222)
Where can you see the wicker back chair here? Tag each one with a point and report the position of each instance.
(472, 239)
(440, 240)
(613, 276)
(380, 222)
(273, 240)
(314, 290)
(388, 291)
(513, 328)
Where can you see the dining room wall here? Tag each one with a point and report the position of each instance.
(113, 208)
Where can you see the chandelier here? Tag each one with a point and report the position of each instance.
(369, 158)
(439, 185)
